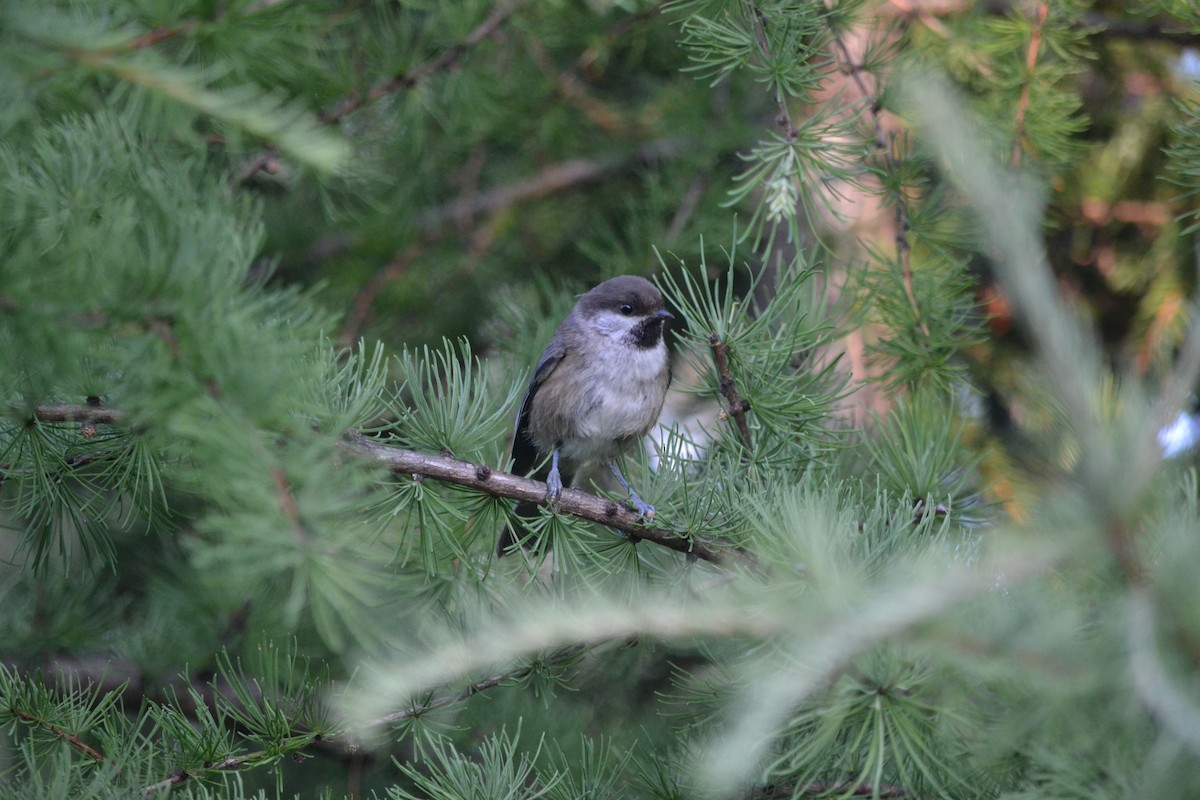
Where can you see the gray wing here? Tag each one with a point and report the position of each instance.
(525, 454)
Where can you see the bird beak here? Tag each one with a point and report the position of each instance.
(663, 314)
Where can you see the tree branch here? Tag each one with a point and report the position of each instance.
(1031, 59)
(737, 405)
(230, 763)
(827, 788)
(467, 208)
(66, 736)
(99, 673)
(364, 298)
(417, 709)
(476, 476)
(575, 502)
(444, 62)
(1101, 26)
(900, 213)
(67, 412)
(552, 179)
(784, 118)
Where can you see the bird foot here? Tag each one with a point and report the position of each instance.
(644, 510)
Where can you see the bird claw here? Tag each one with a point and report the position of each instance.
(644, 510)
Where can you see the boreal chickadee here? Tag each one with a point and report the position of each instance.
(597, 389)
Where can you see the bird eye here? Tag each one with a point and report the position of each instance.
(626, 309)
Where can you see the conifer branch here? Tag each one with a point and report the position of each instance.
(160, 34)
(444, 62)
(554, 178)
(737, 405)
(575, 93)
(569, 86)
(900, 212)
(66, 736)
(617, 32)
(1122, 543)
(501, 679)
(164, 33)
(686, 210)
(90, 413)
(364, 298)
(330, 741)
(224, 765)
(476, 476)
(919, 12)
(1157, 690)
(434, 223)
(1102, 26)
(245, 107)
(1031, 58)
(575, 502)
(572, 88)
(784, 118)
(289, 506)
(829, 788)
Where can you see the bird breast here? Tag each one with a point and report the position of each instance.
(606, 403)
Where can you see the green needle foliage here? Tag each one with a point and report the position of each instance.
(1185, 158)
(273, 279)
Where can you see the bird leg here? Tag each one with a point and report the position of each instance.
(644, 509)
(554, 480)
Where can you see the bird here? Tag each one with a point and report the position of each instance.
(597, 389)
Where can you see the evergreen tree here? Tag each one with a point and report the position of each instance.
(272, 279)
